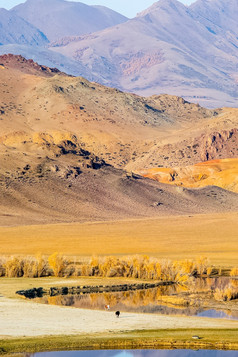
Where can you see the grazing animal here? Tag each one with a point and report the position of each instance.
(117, 313)
(196, 337)
(107, 307)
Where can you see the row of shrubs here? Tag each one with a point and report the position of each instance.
(141, 267)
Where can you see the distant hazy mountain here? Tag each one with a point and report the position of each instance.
(219, 13)
(48, 58)
(14, 29)
(168, 48)
(172, 48)
(59, 18)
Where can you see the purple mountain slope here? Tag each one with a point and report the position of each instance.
(59, 18)
(14, 29)
(167, 48)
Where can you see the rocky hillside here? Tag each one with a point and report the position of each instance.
(222, 173)
(68, 146)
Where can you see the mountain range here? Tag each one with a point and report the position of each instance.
(190, 51)
(168, 48)
(89, 146)
(59, 18)
(15, 30)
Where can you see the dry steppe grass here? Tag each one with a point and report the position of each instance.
(178, 237)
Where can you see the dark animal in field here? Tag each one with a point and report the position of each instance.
(117, 313)
(196, 337)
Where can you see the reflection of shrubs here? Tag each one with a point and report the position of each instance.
(226, 294)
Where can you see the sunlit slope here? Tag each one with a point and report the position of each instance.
(221, 173)
(68, 147)
(42, 107)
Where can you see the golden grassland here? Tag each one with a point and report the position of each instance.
(180, 237)
(162, 339)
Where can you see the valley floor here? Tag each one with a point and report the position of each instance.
(24, 319)
(211, 235)
(30, 326)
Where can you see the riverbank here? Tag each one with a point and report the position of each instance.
(26, 318)
(147, 339)
(30, 327)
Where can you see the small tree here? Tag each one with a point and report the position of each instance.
(234, 272)
(57, 263)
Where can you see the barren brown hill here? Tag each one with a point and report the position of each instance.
(67, 146)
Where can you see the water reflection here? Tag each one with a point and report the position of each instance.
(141, 353)
(174, 299)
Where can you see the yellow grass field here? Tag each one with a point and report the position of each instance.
(213, 235)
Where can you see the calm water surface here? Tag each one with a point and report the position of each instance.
(150, 300)
(141, 353)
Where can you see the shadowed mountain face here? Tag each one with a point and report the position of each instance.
(218, 15)
(67, 148)
(59, 18)
(16, 30)
(168, 48)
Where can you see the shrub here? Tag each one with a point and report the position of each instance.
(2, 267)
(226, 294)
(201, 265)
(209, 271)
(234, 272)
(57, 263)
(14, 267)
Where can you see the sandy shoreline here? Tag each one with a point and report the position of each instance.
(28, 319)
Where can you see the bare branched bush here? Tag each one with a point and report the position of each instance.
(137, 266)
(201, 265)
(41, 267)
(14, 267)
(2, 266)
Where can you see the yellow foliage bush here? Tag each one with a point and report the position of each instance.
(57, 263)
(137, 266)
(234, 272)
(226, 294)
(209, 271)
